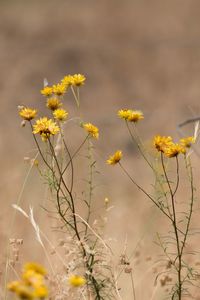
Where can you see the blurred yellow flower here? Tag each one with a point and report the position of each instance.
(47, 91)
(187, 142)
(130, 115)
(115, 158)
(76, 280)
(40, 292)
(59, 89)
(35, 267)
(91, 129)
(173, 150)
(60, 114)
(162, 142)
(78, 79)
(45, 127)
(53, 103)
(27, 113)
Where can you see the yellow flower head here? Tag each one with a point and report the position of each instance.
(188, 141)
(53, 103)
(162, 142)
(47, 91)
(30, 277)
(45, 127)
(135, 116)
(124, 113)
(59, 89)
(60, 114)
(13, 286)
(27, 113)
(78, 79)
(40, 292)
(115, 158)
(24, 292)
(130, 115)
(76, 280)
(35, 267)
(68, 80)
(91, 129)
(174, 150)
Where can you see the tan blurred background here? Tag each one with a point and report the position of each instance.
(135, 54)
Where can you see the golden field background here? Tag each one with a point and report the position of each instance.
(135, 54)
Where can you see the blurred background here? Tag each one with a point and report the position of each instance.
(137, 54)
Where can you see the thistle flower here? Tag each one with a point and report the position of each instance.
(91, 129)
(78, 79)
(115, 158)
(77, 281)
(45, 127)
(60, 114)
(188, 141)
(162, 142)
(53, 103)
(27, 113)
(47, 91)
(59, 89)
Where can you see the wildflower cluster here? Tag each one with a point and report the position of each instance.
(32, 284)
(166, 145)
(131, 115)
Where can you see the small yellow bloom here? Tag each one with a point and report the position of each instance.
(68, 80)
(130, 115)
(45, 127)
(13, 286)
(78, 79)
(60, 114)
(35, 267)
(124, 113)
(24, 292)
(91, 129)
(135, 116)
(59, 89)
(187, 142)
(174, 150)
(115, 158)
(53, 103)
(28, 113)
(162, 142)
(40, 292)
(47, 91)
(76, 280)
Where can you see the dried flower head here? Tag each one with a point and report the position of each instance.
(45, 127)
(60, 114)
(28, 113)
(53, 103)
(91, 129)
(115, 158)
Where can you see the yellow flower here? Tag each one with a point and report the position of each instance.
(28, 113)
(24, 292)
(45, 127)
(173, 150)
(33, 278)
(35, 267)
(78, 79)
(76, 280)
(91, 129)
(40, 292)
(135, 116)
(53, 103)
(130, 115)
(162, 142)
(47, 91)
(124, 113)
(115, 158)
(13, 286)
(60, 114)
(187, 142)
(68, 80)
(59, 89)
